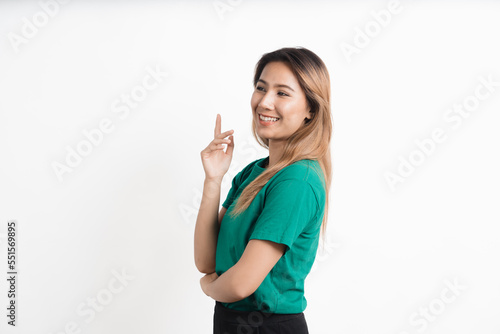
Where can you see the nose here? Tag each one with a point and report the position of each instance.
(266, 102)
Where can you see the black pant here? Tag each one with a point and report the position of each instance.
(229, 321)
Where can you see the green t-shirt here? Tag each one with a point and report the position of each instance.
(288, 210)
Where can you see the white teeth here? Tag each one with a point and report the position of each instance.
(268, 119)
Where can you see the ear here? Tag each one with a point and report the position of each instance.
(309, 117)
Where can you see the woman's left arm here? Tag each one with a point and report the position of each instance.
(242, 279)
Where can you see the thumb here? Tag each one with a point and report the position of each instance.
(230, 146)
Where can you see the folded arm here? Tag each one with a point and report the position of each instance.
(242, 279)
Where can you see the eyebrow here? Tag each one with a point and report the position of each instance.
(279, 85)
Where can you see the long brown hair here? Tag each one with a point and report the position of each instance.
(312, 139)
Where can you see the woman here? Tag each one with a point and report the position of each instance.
(257, 255)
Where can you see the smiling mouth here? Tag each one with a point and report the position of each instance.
(268, 119)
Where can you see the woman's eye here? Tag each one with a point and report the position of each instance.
(260, 88)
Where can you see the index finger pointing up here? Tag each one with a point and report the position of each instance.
(217, 126)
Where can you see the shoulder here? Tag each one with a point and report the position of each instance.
(304, 173)
(306, 170)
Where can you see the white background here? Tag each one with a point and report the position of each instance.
(131, 203)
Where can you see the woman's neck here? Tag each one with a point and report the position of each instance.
(275, 152)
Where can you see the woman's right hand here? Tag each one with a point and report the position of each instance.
(215, 161)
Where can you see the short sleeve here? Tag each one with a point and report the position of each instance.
(290, 205)
(231, 195)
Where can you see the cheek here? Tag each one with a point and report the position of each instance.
(254, 101)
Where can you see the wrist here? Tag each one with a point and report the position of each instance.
(209, 289)
(213, 179)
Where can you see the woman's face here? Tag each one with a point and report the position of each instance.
(278, 94)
